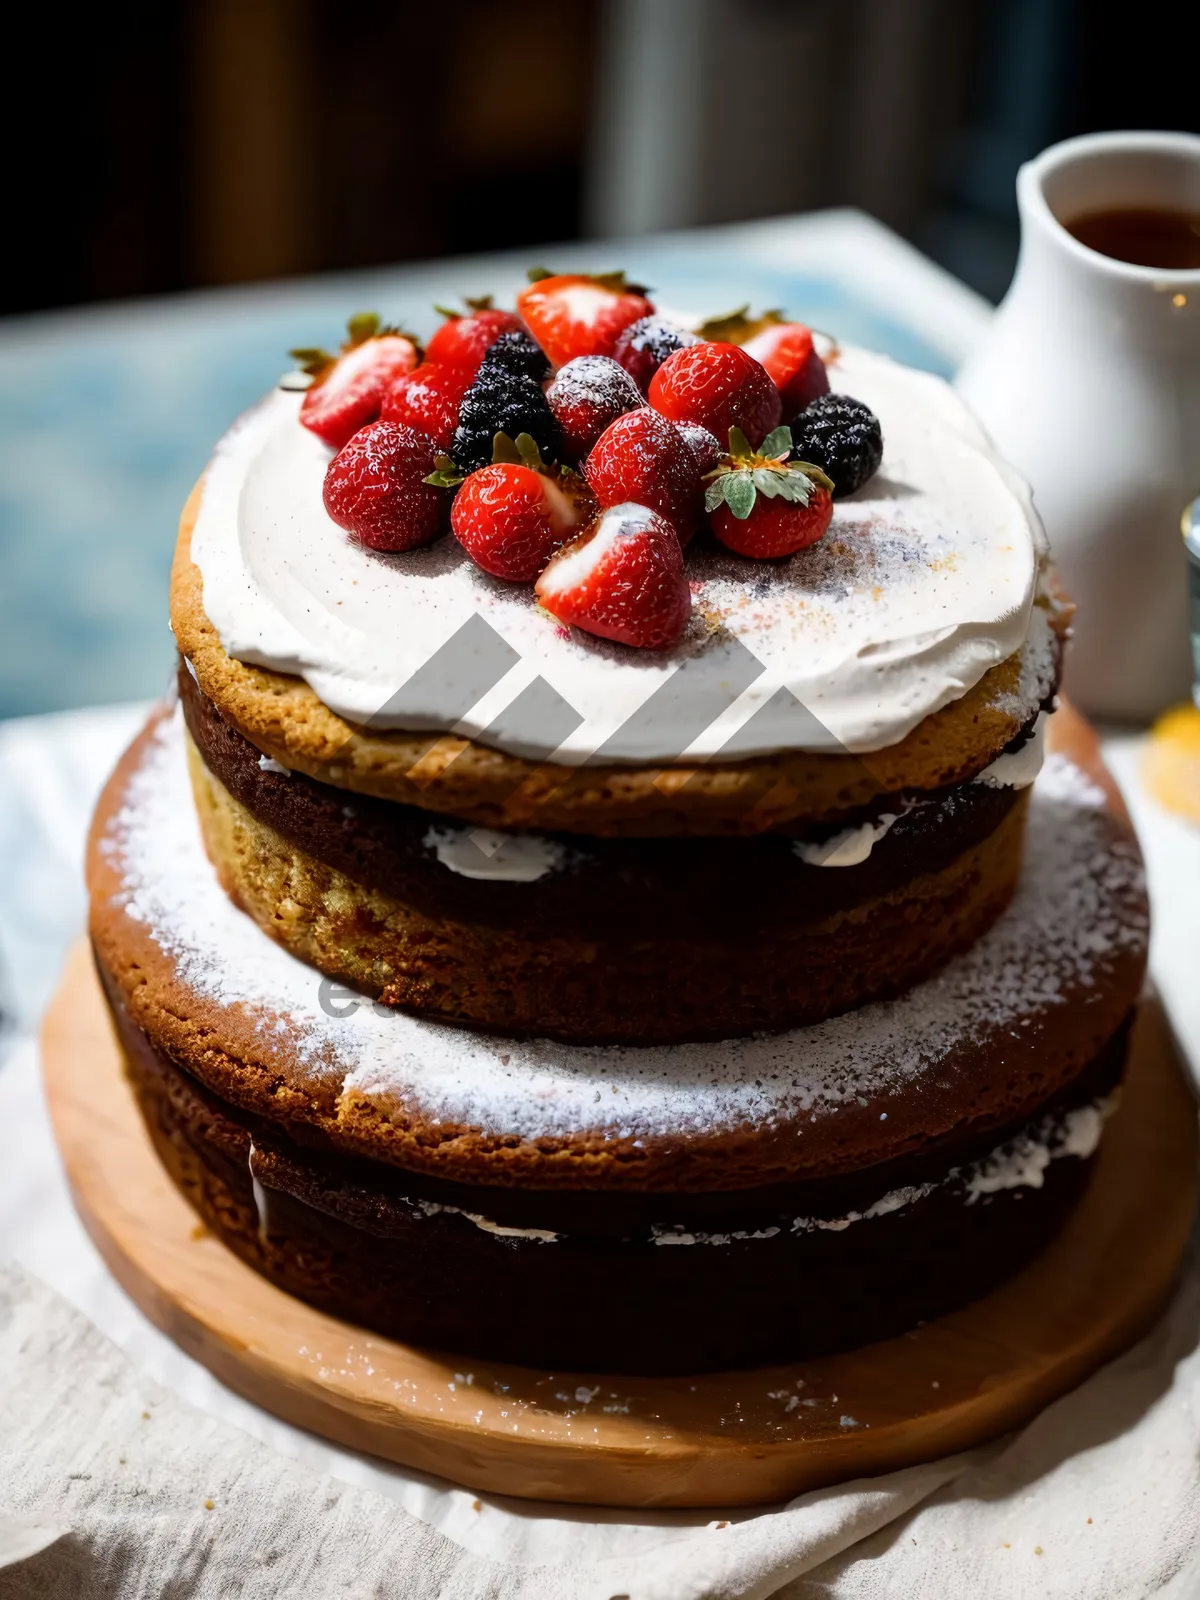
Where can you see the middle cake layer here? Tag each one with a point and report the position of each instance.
(605, 939)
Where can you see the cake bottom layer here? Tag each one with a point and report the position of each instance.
(594, 1280)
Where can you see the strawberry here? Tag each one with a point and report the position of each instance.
(642, 458)
(761, 504)
(348, 389)
(428, 400)
(511, 517)
(646, 344)
(375, 488)
(588, 394)
(704, 446)
(462, 341)
(786, 350)
(622, 579)
(574, 315)
(720, 387)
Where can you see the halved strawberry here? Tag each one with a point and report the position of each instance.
(588, 394)
(463, 340)
(720, 387)
(428, 400)
(574, 315)
(761, 504)
(348, 389)
(623, 579)
(642, 458)
(786, 350)
(511, 517)
(376, 488)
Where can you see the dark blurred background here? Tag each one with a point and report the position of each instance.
(222, 141)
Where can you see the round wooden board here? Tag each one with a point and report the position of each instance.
(732, 1438)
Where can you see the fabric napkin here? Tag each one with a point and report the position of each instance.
(112, 1486)
(112, 1441)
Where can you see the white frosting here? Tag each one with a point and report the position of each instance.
(1019, 768)
(1078, 905)
(924, 582)
(430, 1208)
(489, 853)
(269, 763)
(848, 848)
(1022, 1163)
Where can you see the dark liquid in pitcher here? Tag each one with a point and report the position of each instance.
(1143, 235)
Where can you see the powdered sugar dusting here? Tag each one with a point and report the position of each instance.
(1080, 903)
(597, 381)
(924, 582)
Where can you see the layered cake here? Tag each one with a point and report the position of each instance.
(610, 891)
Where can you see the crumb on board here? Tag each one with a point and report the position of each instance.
(208, 1505)
(476, 1505)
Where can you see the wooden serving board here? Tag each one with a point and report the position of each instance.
(719, 1440)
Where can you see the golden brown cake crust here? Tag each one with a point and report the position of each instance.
(976, 1082)
(287, 720)
(715, 982)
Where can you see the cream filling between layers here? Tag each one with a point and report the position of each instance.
(924, 582)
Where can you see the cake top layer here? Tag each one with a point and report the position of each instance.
(923, 583)
(1026, 1006)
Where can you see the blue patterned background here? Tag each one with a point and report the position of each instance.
(107, 416)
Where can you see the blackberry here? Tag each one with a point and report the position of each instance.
(516, 351)
(646, 344)
(843, 437)
(502, 402)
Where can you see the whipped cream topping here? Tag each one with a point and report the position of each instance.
(923, 583)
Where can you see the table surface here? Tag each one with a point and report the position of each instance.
(107, 415)
(130, 398)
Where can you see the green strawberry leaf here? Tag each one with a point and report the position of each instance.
(527, 450)
(519, 452)
(794, 486)
(740, 493)
(768, 482)
(450, 314)
(536, 274)
(714, 494)
(505, 452)
(777, 443)
(726, 327)
(735, 327)
(617, 283)
(811, 470)
(479, 302)
(739, 445)
(311, 360)
(445, 474)
(364, 325)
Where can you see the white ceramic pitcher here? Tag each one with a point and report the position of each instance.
(1089, 381)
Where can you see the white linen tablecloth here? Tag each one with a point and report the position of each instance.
(113, 1442)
